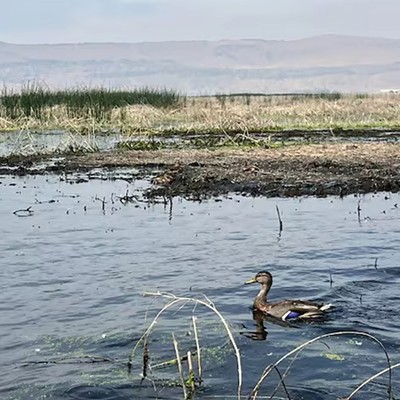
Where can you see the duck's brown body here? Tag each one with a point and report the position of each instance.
(285, 309)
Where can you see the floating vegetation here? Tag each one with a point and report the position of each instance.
(151, 144)
(199, 142)
(26, 212)
(232, 141)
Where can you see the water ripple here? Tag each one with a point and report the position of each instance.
(72, 283)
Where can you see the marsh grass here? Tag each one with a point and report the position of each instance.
(40, 103)
(155, 112)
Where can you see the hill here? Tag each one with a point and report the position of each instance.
(323, 63)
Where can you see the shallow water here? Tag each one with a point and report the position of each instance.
(72, 280)
(28, 143)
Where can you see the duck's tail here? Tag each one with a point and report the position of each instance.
(326, 307)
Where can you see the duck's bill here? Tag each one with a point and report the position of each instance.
(252, 280)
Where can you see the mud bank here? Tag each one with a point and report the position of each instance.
(306, 169)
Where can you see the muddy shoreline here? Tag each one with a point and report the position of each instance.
(307, 169)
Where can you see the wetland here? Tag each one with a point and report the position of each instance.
(188, 201)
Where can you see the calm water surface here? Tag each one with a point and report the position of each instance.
(72, 279)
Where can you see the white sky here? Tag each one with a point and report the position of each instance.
(60, 21)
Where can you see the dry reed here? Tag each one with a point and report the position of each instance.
(209, 115)
(175, 300)
(254, 393)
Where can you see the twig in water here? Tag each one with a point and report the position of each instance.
(178, 360)
(370, 379)
(359, 211)
(103, 203)
(196, 338)
(89, 359)
(280, 382)
(145, 359)
(27, 212)
(376, 263)
(127, 198)
(330, 278)
(280, 221)
(168, 363)
(170, 209)
(150, 328)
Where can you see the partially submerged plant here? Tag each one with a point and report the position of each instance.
(254, 393)
(175, 300)
(77, 143)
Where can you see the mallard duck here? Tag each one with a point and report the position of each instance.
(285, 309)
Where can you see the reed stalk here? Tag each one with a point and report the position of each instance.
(179, 363)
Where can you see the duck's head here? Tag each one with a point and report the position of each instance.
(263, 277)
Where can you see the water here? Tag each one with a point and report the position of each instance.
(30, 143)
(72, 279)
(27, 143)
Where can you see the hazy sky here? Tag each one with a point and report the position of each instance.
(55, 21)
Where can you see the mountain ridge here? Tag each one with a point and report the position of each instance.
(338, 63)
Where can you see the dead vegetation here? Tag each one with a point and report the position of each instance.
(225, 114)
(336, 169)
(290, 170)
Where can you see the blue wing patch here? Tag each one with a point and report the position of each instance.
(291, 315)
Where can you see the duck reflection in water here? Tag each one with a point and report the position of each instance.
(261, 332)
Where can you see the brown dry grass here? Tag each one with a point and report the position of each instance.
(231, 114)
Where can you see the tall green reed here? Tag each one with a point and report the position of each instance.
(37, 101)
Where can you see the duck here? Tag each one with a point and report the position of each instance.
(285, 309)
